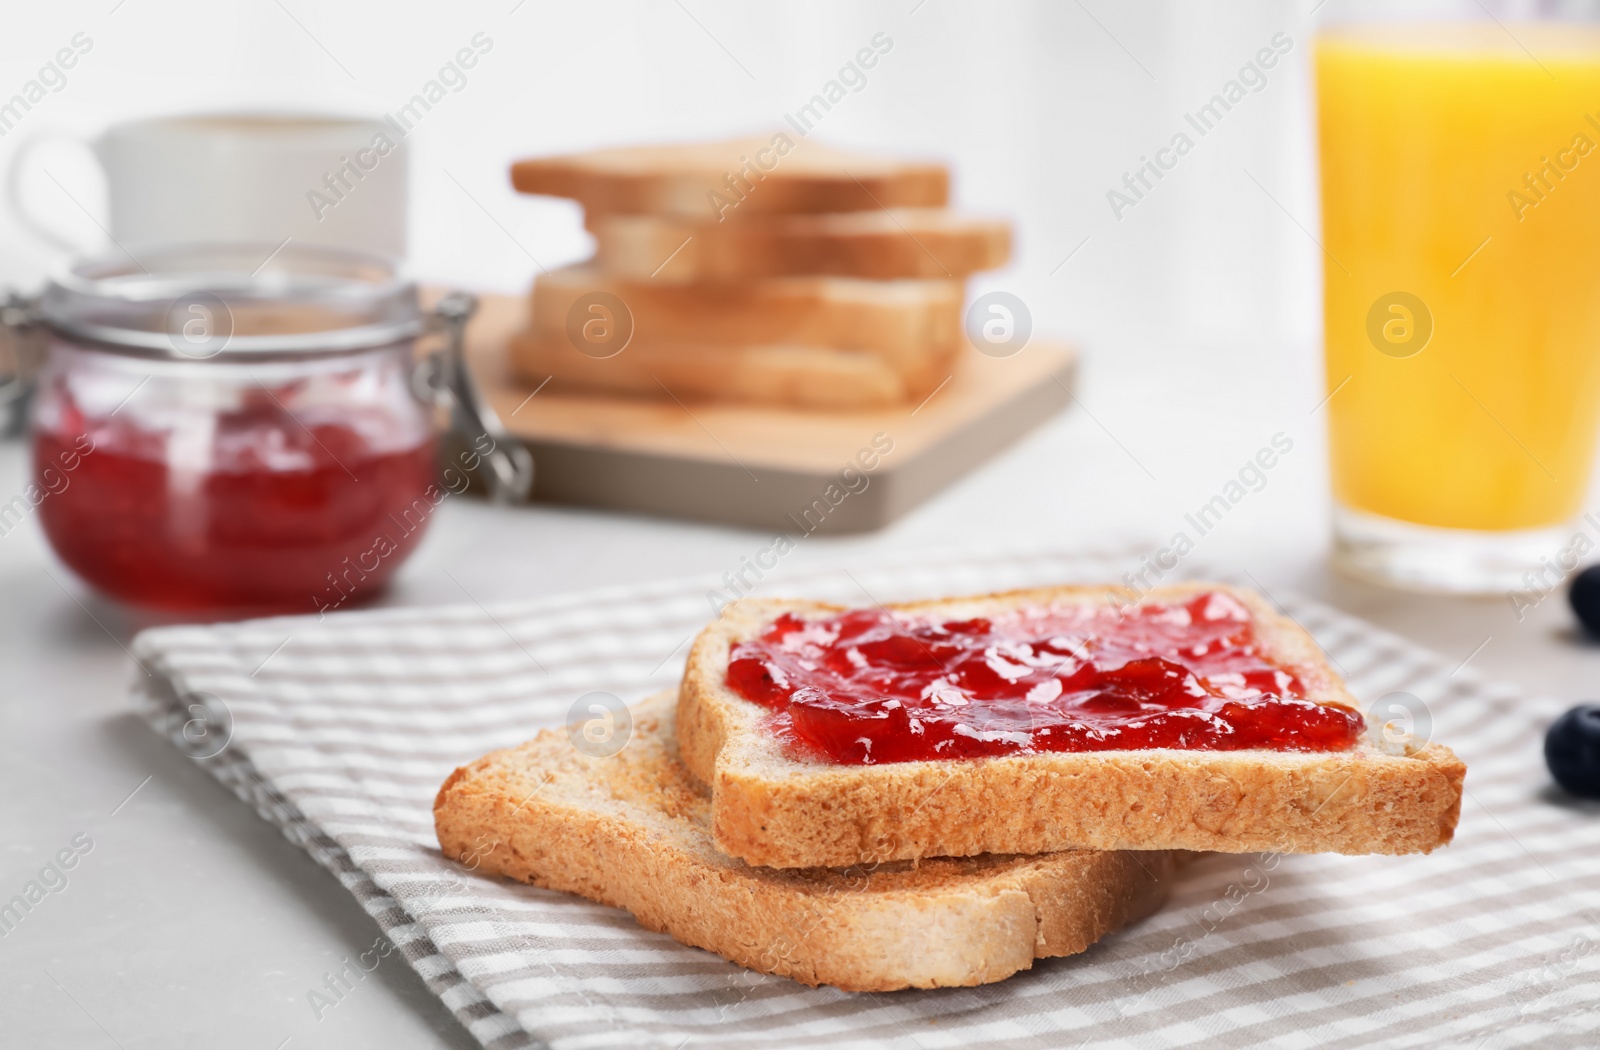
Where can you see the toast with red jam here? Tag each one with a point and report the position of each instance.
(1194, 717)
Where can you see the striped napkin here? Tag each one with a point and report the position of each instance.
(340, 730)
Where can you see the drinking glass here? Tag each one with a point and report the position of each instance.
(1460, 172)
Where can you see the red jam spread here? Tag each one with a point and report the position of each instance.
(866, 686)
(262, 513)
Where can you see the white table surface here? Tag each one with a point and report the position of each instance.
(192, 923)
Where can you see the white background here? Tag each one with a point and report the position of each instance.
(195, 925)
(1207, 289)
(1040, 108)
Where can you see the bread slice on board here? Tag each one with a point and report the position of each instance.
(912, 326)
(883, 244)
(795, 376)
(773, 809)
(781, 172)
(632, 831)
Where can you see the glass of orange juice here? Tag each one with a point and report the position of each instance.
(1461, 226)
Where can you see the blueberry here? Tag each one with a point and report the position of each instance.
(1572, 750)
(1584, 595)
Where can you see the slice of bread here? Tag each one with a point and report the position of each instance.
(913, 326)
(632, 831)
(877, 245)
(724, 180)
(774, 809)
(795, 376)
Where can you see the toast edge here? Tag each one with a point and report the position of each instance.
(981, 931)
(1235, 803)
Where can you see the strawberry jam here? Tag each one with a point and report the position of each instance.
(866, 686)
(259, 512)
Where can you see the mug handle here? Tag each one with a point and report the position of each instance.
(14, 202)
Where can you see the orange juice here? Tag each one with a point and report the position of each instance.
(1461, 228)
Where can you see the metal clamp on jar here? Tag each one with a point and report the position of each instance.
(238, 428)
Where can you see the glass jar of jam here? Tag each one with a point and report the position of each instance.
(245, 428)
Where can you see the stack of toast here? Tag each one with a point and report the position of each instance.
(718, 824)
(773, 271)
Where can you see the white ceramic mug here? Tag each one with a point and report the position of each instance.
(259, 177)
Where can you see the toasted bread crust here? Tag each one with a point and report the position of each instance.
(912, 326)
(771, 809)
(631, 831)
(876, 245)
(802, 377)
(695, 180)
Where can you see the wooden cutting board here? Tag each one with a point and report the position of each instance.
(759, 466)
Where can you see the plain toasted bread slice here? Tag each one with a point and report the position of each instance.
(877, 245)
(913, 326)
(773, 809)
(794, 376)
(902, 321)
(632, 831)
(723, 180)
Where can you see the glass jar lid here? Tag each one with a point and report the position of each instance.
(254, 301)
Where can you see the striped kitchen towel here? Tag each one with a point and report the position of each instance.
(340, 730)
